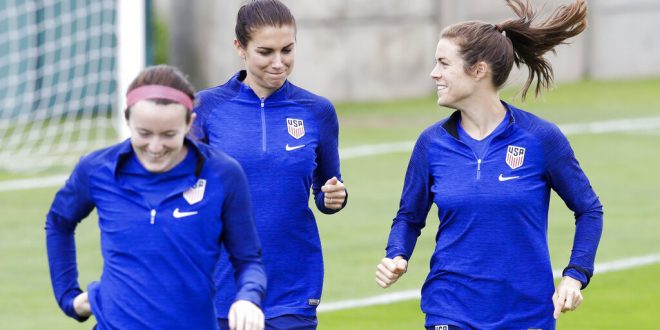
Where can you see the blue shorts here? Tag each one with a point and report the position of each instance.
(283, 322)
(453, 327)
(443, 327)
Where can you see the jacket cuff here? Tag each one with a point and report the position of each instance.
(396, 253)
(252, 297)
(578, 273)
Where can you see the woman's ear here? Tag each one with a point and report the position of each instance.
(239, 48)
(192, 119)
(480, 70)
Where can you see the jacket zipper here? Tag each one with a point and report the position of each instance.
(152, 212)
(263, 126)
(478, 162)
(478, 169)
(512, 120)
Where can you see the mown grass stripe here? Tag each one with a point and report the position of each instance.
(597, 127)
(388, 298)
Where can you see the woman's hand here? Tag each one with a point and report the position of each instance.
(81, 305)
(389, 270)
(245, 315)
(335, 194)
(567, 296)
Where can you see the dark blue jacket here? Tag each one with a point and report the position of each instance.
(491, 266)
(286, 144)
(158, 260)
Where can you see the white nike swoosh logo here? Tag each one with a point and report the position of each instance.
(293, 148)
(507, 178)
(178, 214)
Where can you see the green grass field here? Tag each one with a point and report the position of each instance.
(622, 167)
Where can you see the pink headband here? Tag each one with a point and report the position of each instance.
(147, 92)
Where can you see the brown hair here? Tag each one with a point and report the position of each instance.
(259, 13)
(518, 41)
(164, 75)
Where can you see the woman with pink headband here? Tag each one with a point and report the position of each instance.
(165, 206)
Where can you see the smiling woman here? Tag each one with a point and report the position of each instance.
(165, 204)
(489, 168)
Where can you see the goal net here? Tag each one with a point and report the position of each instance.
(59, 87)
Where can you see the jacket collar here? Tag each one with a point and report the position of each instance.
(451, 124)
(237, 82)
(125, 150)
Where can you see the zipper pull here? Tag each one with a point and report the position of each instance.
(263, 99)
(478, 169)
(153, 216)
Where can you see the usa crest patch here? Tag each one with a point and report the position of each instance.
(515, 156)
(295, 127)
(196, 192)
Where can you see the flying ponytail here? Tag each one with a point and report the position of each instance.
(519, 41)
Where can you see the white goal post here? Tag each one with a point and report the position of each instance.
(131, 53)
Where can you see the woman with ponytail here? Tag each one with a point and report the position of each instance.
(489, 168)
(286, 140)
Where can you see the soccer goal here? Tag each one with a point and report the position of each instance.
(65, 65)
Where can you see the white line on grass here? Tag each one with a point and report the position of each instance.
(610, 126)
(32, 183)
(597, 127)
(375, 149)
(618, 125)
(388, 298)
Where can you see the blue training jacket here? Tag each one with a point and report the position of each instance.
(158, 260)
(286, 144)
(491, 266)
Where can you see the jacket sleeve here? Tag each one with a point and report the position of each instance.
(572, 185)
(71, 205)
(239, 235)
(327, 155)
(416, 200)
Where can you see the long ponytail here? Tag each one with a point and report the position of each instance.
(518, 41)
(531, 42)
